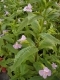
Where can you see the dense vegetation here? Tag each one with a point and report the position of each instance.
(30, 39)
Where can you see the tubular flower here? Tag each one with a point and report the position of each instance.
(17, 46)
(54, 66)
(45, 72)
(23, 38)
(28, 8)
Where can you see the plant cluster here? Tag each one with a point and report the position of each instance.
(30, 39)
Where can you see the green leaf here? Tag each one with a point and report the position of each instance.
(50, 38)
(38, 66)
(22, 25)
(1, 42)
(22, 78)
(8, 38)
(24, 69)
(10, 48)
(36, 78)
(47, 44)
(30, 16)
(34, 1)
(35, 26)
(22, 55)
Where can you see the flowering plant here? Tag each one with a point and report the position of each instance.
(30, 39)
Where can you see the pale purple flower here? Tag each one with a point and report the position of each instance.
(23, 38)
(17, 46)
(54, 66)
(45, 72)
(28, 8)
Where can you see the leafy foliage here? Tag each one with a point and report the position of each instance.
(41, 28)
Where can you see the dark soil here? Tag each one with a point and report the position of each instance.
(4, 76)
